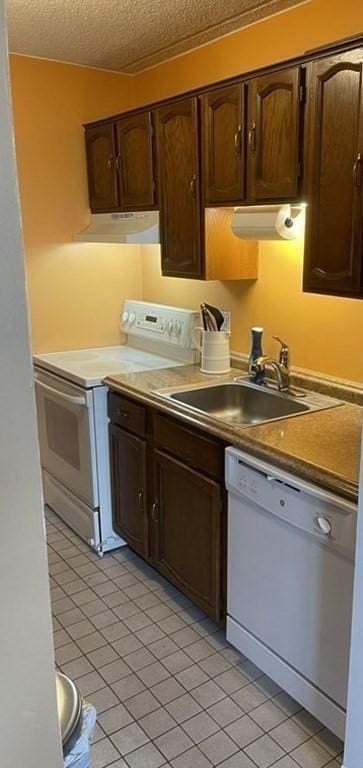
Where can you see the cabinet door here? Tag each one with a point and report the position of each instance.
(101, 168)
(135, 161)
(273, 136)
(223, 144)
(128, 482)
(178, 178)
(334, 148)
(187, 517)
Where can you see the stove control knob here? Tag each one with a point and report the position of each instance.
(132, 318)
(170, 326)
(178, 327)
(324, 525)
(125, 317)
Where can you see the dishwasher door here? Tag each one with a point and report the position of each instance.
(290, 571)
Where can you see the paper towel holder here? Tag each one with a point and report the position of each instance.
(268, 222)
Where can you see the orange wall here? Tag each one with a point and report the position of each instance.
(75, 290)
(283, 36)
(323, 332)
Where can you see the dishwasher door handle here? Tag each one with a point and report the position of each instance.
(266, 475)
(256, 471)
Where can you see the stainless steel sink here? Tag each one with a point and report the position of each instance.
(242, 403)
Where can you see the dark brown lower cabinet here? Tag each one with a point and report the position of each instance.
(168, 499)
(186, 514)
(128, 482)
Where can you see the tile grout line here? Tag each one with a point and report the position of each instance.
(168, 596)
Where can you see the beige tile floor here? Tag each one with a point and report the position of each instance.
(168, 688)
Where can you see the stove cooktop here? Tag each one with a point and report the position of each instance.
(88, 367)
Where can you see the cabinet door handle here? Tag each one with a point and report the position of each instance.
(237, 139)
(110, 162)
(141, 500)
(252, 138)
(123, 414)
(154, 512)
(117, 163)
(193, 185)
(357, 171)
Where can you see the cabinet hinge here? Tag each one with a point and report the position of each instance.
(302, 94)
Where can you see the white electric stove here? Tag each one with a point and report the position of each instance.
(72, 412)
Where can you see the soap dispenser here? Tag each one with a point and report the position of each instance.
(258, 376)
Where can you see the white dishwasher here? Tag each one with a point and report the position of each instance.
(290, 582)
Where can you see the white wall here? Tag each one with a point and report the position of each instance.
(353, 756)
(29, 736)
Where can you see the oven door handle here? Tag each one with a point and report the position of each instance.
(74, 399)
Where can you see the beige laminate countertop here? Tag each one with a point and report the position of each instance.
(320, 446)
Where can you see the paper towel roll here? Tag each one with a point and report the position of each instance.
(268, 222)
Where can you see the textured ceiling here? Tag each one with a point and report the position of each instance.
(127, 35)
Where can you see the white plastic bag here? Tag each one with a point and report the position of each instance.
(80, 755)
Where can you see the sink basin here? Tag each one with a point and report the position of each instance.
(245, 404)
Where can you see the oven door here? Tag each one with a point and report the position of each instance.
(67, 434)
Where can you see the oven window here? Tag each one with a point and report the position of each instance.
(62, 432)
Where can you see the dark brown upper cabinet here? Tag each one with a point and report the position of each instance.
(177, 139)
(101, 167)
(334, 156)
(274, 105)
(120, 164)
(135, 162)
(223, 144)
(284, 134)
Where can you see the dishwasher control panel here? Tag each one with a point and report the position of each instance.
(329, 518)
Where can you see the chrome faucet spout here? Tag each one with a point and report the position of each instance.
(282, 373)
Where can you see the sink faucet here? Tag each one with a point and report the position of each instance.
(281, 367)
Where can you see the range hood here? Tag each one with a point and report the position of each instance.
(141, 227)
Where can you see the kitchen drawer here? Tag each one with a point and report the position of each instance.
(196, 450)
(127, 414)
